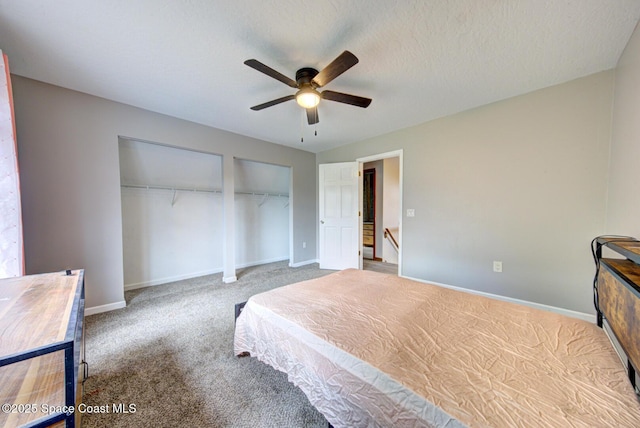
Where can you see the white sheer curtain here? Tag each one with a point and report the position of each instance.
(11, 246)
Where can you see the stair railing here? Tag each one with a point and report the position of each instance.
(389, 236)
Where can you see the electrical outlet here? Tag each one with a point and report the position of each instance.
(411, 212)
(497, 266)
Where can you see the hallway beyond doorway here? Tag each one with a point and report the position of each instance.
(382, 267)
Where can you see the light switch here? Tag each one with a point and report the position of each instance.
(411, 212)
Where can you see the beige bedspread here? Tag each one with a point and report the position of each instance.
(371, 349)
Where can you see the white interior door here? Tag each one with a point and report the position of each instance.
(339, 220)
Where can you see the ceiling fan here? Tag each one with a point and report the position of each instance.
(308, 80)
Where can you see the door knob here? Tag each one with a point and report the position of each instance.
(322, 221)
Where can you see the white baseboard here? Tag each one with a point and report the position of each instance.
(261, 262)
(165, 280)
(105, 308)
(304, 263)
(229, 279)
(568, 312)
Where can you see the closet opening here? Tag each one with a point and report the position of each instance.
(262, 212)
(172, 213)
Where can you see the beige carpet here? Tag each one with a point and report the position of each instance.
(169, 353)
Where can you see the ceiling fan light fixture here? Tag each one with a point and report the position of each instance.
(307, 97)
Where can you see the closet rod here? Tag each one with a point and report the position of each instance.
(173, 189)
(186, 189)
(285, 195)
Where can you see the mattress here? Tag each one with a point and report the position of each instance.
(371, 349)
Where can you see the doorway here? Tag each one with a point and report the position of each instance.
(381, 206)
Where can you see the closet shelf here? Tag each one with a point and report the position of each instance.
(172, 189)
(196, 190)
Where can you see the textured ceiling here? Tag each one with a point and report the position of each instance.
(419, 60)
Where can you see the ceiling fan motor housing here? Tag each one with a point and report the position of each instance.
(304, 76)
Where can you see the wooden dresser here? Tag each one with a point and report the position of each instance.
(617, 294)
(368, 235)
(41, 349)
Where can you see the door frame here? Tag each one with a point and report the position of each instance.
(361, 161)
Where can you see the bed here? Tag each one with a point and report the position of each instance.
(371, 349)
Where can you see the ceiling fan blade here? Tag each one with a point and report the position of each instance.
(273, 102)
(257, 65)
(342, 63)
(340, 97)
(312, 116)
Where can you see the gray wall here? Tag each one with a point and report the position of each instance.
(68, 156)
(522, 181)
(623, 208)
